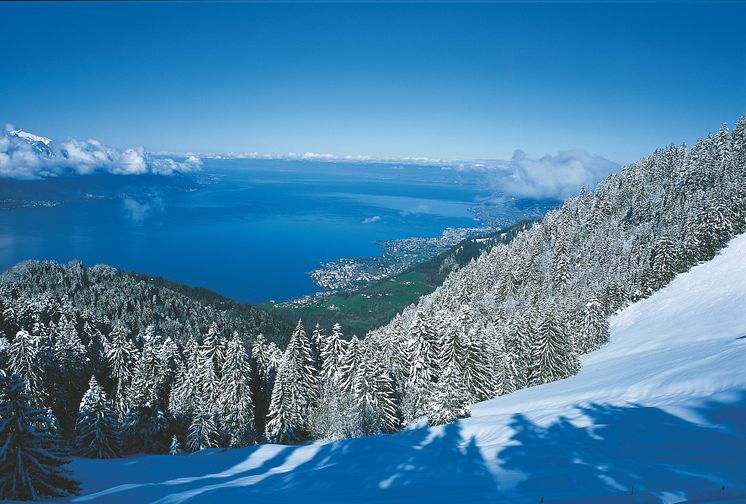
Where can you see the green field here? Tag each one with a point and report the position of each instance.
(364, 309)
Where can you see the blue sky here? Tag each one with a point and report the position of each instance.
(386, 79)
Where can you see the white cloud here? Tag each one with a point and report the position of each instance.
(167, 166)
(371, 220)
(316, 155)
(422, 208)
(140, 210)
(551, 176)
(24, 156)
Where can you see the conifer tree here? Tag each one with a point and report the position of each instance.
(476, 365)
(450, 397)
(146, 429)
(97, 428)
(552, 355)
(304, 366)
(236, 407)
(420, 376)
(317, 338)
(186, 389)
(208, 381)
(350, 365)
(448, 401)
(739, 144)
(168, 362)
(145, 384)
(665, 262)
(203, 432)
(213, 347)
(561, 266)
(374, 393)
(286, 421)
(23, 360)
(69, 351)
(265, 359)
(332, 352)
(31, 457)
(595, 328)
(121, 355)
(175, 447)
(520, 336)
(295, 391)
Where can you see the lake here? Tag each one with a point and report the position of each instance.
(248, 229)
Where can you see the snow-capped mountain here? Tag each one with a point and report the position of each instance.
(25, 155)
(41, 145)
(656, 415)
(30, 136)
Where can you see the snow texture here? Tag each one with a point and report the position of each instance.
(31, 137)
(656, 415)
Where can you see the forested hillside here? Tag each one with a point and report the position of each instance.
(522, 313)
(157, 373)
(105, 294)
(654, 416)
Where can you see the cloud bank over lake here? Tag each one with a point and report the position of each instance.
(25, 155)
(557, 176)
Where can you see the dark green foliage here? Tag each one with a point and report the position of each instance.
(31, 455)
(552, 354)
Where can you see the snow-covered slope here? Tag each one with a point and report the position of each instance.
(41, 145)
(657, 415)
(30, 136)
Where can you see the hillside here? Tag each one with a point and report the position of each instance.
(360, 310)
(104, 293)
(656, 415)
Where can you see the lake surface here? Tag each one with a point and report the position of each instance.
(248, 229)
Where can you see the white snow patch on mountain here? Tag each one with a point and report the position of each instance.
(30, 136)
(656, 415)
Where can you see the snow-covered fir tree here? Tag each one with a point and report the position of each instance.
(331, 349)
(24, 360)
(449, 398)
(595, 329)
(175, 447)
(203, 433)
(552, 355)
(121, 355)
(32, 458)
(295, 391)
(286, 418)
(373, 391)
(97, 428)
(236, 409)
(351, 362)
(422, 370)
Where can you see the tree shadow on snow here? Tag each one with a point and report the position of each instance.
(665, 458)
(633, 454)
